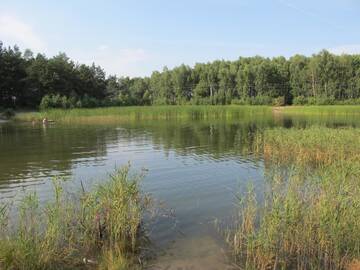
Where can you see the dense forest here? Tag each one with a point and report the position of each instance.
(36, 81)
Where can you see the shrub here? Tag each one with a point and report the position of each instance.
(300, 100)
(279, 101)
(8, 113)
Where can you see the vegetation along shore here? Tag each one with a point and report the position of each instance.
(99, 228)
(36, 81)
(309, 215)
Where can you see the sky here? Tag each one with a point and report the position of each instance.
(134, 38)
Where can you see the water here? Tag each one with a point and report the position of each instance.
(194, 167)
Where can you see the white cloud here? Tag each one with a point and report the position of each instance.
(346, 49)
(122, 62)
(103, 47)
(14, 31)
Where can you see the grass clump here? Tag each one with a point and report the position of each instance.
(307, 219)
(310, 146)
(305, 222)
(99, 229)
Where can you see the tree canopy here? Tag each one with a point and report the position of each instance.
(38, 81)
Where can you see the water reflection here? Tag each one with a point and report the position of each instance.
(195, 167)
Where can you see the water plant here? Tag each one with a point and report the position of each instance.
(306, 221)
(97, 229)
(314, 145)
(308, 217)
(111, 114)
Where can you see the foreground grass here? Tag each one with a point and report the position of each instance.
(99, 229)
(309, 219)
(111, 114)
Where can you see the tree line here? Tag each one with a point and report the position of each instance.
(33, 81)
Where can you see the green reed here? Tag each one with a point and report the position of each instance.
(309, 217)
(309, 146)
(110, 114)
(98, 229)
(321, 110)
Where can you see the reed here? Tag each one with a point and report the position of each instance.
(307, 219)
(98, 229)
(305, 222)
(310, 146)
(319, 110)
(143, 113)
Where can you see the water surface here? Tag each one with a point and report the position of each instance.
(194, 166)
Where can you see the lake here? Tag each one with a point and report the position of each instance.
(194, 168)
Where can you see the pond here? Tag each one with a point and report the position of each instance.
(194, 167)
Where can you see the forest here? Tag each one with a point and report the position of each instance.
(39, 82)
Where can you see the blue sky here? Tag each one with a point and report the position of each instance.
(133, 38)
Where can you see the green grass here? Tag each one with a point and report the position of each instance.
(320, 110)
(308, 219)
(100, 227)
(112, 114)
(310, 146)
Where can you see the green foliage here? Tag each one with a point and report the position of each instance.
(321, 79)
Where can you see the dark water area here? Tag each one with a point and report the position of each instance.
(194, 167)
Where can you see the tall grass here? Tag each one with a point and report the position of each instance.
(98, 229)
(309, 146)
(308, 219)
(320, 110)
(143, 113)
(305, 222)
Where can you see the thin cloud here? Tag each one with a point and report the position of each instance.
(346, 49)
(14, 31)
(122, 62)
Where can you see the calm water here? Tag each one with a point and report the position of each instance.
(194, 167)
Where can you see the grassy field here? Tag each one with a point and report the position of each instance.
(111, 114)
(98, 229)
(309, 219)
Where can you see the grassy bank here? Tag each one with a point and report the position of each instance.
(309, 219)
(98, 229)
(143, 113)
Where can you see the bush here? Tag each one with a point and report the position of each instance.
(63, 102)
(257, 100)
(8, 113)
(279, 101)
(300, 100)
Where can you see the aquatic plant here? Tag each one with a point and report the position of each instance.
(144, 112)
(97, 229)
(313, 145)
(308, 218)
(320, 110)
(306, 221)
